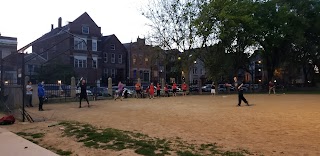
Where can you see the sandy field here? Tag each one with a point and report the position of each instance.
(274, 124)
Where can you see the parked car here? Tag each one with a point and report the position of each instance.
(100, 91)
(78, 91)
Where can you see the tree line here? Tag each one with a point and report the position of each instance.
(223, 32)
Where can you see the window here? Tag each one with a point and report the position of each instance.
(31, 68)
(105, 57)
(80, 44)
(146, 75)
(113, 73)
(134, 74)
(120, 59)
(105, 72)
(146, 60)
(80, 62)
(94, 45)
(134, 61)
(113, 58)
(94, 63)
(195, 70)
(113, 47)
(85, 30)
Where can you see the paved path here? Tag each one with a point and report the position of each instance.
(14, 145)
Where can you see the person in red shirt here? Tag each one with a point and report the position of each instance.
(174, 89)
(166, 90)
(138, 90)
(158, 89)
(184, 88)
(151, 91)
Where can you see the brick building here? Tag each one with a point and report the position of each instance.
(145, 62)
(81, 44)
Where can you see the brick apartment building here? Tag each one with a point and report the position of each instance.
(81, 44)
(145, 62)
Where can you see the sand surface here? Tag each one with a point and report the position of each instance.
(273, 125)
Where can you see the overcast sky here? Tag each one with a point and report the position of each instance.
(29, 19)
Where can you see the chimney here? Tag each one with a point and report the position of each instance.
(51, 26)
(59, 22)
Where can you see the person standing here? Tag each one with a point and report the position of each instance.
(151, 91)
(238, 85)
(83, 93)
(41, 95)
(272, 87)
(166, 90)
(29, 94)
(213, 89)
(158, 90)
(184, 88)
(138, 90)
(174, 89)
(120, 91)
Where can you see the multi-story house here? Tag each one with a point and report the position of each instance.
(145, 62)
(9, 59)
(81, 44)
(114, 59)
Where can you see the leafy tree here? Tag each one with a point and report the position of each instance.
(51, 73)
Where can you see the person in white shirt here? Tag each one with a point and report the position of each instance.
(29, 94)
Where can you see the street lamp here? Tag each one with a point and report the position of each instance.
(259, 61)
(59, 82)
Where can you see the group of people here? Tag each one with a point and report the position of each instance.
(41, 94)
(29, 93)
(150, 90)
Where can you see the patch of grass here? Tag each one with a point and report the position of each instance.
(31, 136)
(62, 152)
(59, 151)
(114, 139)
(186, 153)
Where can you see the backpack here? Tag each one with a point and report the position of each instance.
(7, 120)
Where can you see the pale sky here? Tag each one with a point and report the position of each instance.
(29, 19)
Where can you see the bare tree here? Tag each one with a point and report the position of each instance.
(171, 23)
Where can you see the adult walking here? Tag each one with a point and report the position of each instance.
(120, 91)
(83, 92)
(238, 85)
(29, 94)
(41, 95)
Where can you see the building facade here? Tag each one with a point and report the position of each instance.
(9, 59)
(81, 45)
(145, 62)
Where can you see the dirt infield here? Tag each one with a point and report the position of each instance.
(273, 125)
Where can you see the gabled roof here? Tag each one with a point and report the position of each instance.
(85, 15)
(107, 38)
(54, 32)
(31, 56)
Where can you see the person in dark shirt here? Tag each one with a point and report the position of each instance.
(238, 86)
(83, 93)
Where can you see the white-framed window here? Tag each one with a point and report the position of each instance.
(80, 44)
(120, 59)
(105, 72)
(85, 29)
(113, 47)
(105, 57)
(113, 58)
(113, 73)
(94, 63)
(94, 45)
(80, 62)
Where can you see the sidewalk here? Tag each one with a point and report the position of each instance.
(14, 145)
